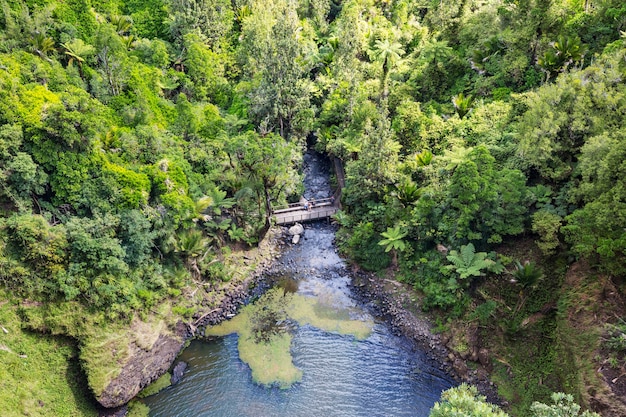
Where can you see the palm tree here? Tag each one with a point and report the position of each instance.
(550, 63)
(41, 45)
(393, 243)
(436, 52)
(570, 49)
(468, 263)
(77, 51)
(462, 104)
(407, 192)
(192, 246)
(566, 50)
(423, 158)
(123, 24)
(388, 53)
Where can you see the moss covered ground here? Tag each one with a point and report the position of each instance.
(40, 375)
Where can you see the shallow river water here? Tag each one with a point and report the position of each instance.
(382, 375)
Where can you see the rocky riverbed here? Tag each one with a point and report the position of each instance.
(398, 304)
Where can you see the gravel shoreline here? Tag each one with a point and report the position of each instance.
(386, 298)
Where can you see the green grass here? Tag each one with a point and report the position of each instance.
(157, 386)
(104, 347)
(40, 375)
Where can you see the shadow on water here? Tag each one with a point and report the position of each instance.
(288, 284)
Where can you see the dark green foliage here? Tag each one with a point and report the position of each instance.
(483, 204)
(615, 338)
(485, 312)
(527, 274)
(362, 246)
(596, 229)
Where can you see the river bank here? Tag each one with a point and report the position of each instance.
(389, 300)
(212, 304)
(398, 305)
(256, 270)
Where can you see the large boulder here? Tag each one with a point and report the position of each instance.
(296, 229)
(178, 371)
(143, 367)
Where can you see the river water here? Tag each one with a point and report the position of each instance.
(382, 375)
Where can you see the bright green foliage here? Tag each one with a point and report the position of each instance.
(468, 263)
(464, 401)
(462, 104)
(393, 239)
(134, 133)
(133, 188)
(564, 406)
(547, 224)
(393, 242)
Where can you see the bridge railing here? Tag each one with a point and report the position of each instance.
(304, 215)
(300, 206)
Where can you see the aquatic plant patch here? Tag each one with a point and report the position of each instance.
(264, 332)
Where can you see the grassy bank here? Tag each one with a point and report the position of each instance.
(56, 356)
(40, 375)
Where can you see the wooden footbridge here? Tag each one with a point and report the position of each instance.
(305, 211)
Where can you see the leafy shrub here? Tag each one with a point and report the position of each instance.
(564, 406)
(527, 274)
(467, 263)
(465, 401)
(547, 224)
(362, 246)
(484, 312)
(616, 336)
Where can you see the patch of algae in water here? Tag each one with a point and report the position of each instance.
(264, 338)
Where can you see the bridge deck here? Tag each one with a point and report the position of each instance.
(302, 215)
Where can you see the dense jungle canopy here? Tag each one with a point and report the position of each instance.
(142, 141)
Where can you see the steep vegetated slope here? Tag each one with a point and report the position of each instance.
(141, 142)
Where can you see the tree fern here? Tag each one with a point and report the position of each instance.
(467, 263)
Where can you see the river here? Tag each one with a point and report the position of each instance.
(342, 376)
